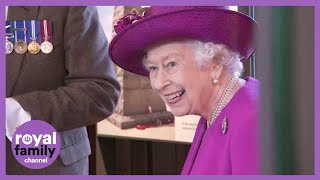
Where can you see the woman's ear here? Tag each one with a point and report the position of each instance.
(216, 71)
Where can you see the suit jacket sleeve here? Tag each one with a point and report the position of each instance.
(91, 90)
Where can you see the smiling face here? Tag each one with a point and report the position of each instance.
(176, 77)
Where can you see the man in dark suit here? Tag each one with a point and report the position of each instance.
(72, 87)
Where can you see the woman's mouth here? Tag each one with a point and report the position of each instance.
(175, 97)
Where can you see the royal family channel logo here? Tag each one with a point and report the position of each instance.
(35, 144)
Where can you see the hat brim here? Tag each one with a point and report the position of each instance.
(220, 26)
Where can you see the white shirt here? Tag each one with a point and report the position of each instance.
(15, 114)
(15, 117)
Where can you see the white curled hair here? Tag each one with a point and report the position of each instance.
(207, 51)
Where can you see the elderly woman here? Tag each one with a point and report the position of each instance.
(193, 57)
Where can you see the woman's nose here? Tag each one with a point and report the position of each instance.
(161, 80)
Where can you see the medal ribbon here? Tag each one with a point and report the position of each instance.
(9, 28)
(12, 31)
(33, 31)
(45, 31)
(20, 31)
(15, 32)
(37, 31)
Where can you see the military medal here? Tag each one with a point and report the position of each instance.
(33, 47)
(46, 46)
(9, 35)
(9, 45)
(20, 46)
(224, 125)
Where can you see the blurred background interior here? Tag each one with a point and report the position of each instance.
(283, 62)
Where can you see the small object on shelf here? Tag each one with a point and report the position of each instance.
(131, 121)
(156, 124)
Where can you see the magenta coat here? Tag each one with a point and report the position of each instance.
(236, 151)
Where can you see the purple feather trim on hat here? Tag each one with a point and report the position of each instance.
(126, 21)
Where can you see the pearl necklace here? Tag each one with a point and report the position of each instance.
(223, 100)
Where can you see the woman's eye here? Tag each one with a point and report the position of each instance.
(172, 64)
(172, 67)
(152, 68)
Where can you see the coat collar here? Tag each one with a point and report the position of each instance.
(195, 146)
(22, 12)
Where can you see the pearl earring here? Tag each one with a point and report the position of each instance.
(215, 81)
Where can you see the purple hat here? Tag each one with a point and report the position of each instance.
(216, 24)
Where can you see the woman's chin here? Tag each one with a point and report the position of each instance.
(178, 112)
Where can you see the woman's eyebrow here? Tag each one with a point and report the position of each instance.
(171, 56)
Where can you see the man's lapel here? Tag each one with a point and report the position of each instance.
(14, 60)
